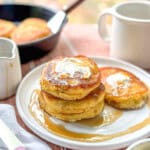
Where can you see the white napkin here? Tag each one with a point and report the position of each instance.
(31, 142)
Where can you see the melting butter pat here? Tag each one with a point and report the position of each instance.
(118, 81)
(68, 67)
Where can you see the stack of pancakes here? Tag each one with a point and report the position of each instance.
(71, 88)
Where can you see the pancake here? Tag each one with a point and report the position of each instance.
(29, 30)
(91, 113)
(6, 28)
(123, 89)
(70, 78)
(56, 105)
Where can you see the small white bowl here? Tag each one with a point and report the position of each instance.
(140, 145)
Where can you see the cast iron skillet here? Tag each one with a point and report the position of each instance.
(39, 48)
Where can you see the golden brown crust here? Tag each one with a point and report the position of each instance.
(70, 78)
(123, 89)
(29, 30)
(6, 28)
(56, 105)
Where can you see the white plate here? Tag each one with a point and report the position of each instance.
(129, 118)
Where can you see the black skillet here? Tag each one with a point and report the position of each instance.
(39, 48)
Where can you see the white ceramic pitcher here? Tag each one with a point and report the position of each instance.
(10, 68)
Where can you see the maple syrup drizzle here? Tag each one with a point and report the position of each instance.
(108, 116)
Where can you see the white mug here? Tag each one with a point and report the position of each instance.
(130, 31)
(10, 68)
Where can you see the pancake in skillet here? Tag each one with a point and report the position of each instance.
(29, 30)
(6, 28)
(123, 89)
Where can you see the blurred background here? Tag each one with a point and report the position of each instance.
(86, 13)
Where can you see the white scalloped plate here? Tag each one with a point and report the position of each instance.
(128, 119)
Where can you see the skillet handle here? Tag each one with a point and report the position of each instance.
(70, 7)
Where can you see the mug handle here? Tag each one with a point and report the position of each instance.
(102, 25)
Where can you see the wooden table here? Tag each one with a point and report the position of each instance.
(74, 40)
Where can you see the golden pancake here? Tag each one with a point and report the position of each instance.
(70, 78)
(53, 104)
(123, 89)
(29, 30)
(34, 21)
(6, 28)
(91, 113)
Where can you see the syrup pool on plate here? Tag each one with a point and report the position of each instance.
(108, 117)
